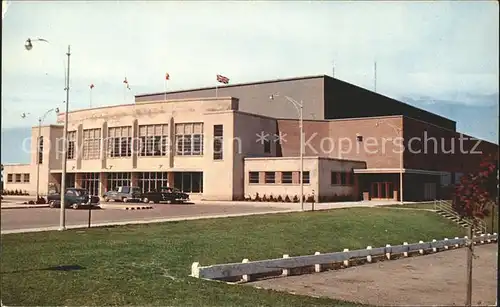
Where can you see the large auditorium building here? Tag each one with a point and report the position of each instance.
(234, 141)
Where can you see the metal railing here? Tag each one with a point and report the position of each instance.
(446, 207)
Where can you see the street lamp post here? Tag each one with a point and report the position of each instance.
(398, 132)
(39, 137)
(299, 106)
(62, 218)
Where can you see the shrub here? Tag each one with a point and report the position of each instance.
(17, 192)
(25, 193)
(248, 198)
(41, 201)
(257, 197)
(264, 198)
(31, 202)
(287, 199)
(280, 199)
(310, 199)
(295, 199)
(271, 198)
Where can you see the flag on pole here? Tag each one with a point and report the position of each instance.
(126, 83)
(222, 79)
(92, 86)
(167, 76)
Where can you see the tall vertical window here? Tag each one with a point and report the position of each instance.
(190, 182)
(70, 180)
(151, 181)
(120, 141)
(267, 146)
(218, 142)
(9, 177)
(154, 140)
(90, 182)
(305, 177)
(40, 150)
(70, 154)
(26, 178)
(286, 177)
(18, 177)
(189, 139)
(91, 144)
(116, 180)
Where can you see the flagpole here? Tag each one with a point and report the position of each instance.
(216, 91)
(165, 89)
(91, 97)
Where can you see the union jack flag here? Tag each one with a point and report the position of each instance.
(222, 79)
(126, 83)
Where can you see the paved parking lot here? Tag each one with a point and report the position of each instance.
(13, 219)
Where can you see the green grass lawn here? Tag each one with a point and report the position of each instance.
(149, 264)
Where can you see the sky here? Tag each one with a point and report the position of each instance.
(440, 56)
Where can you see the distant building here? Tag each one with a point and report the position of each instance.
(228, 147)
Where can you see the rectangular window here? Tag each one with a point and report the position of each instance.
(70, 154)
(343, 178)
(335, 178)
(270, 177)
(40, 150)
(305, 177)
(154, 140)
(254, 177)
(91, 144)
(90, 182)
(189, 182)
(116, 180)
(267, 146)
(120, 141)
(189, 139)
(151, 181)
(218, 142)
(18, 177)
(26, 178)
(286, 177)
(9, 177)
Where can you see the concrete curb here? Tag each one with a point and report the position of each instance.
(164, 220)
(23, 207)
(125, 207)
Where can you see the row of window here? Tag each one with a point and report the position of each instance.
(18, 178)
(270, 177)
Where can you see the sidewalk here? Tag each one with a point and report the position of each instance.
(21, 206)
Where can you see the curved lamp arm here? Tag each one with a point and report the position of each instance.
(28, 45)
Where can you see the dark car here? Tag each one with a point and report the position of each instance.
(165, 194)
(73, 198)
(123, 194)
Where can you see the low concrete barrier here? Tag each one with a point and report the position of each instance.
(125, 207)
(247, 268)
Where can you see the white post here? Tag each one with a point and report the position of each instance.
(495, 235)
(62, 217)
(216, 91)
(245, 278)
(456, 245)
(346, 262)
(301, 158)
(489, 238)
(405, 254)
(369, 257)
(446, 244)
(482, 238)
(38, 159)
(421, 251)
(317, 267)
(285, 272)
(195, 269)
(388, 254)
(434, 249)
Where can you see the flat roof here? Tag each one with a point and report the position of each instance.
(235, 85)
(305, 158)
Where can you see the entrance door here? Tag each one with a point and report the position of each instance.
(382, 190)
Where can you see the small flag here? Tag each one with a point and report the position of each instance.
(167, 76)
(92, 86)
(126, 82)
(222, 79)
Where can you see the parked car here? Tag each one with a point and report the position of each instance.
(165, 194)
(73, 198)
(123, 194)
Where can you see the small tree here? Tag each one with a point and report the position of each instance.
(474, 195)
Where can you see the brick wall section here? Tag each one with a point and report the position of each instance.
(343, 135)
(425, 153)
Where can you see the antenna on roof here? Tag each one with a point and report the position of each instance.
(333, 69)
(375, 76)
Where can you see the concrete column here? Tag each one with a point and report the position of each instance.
(102, 183)
(78, 180)
(104, 144)
(134, 179)
(79, 146)
(135, 133)
(170, 179)
(278, 177)
(171, 143)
